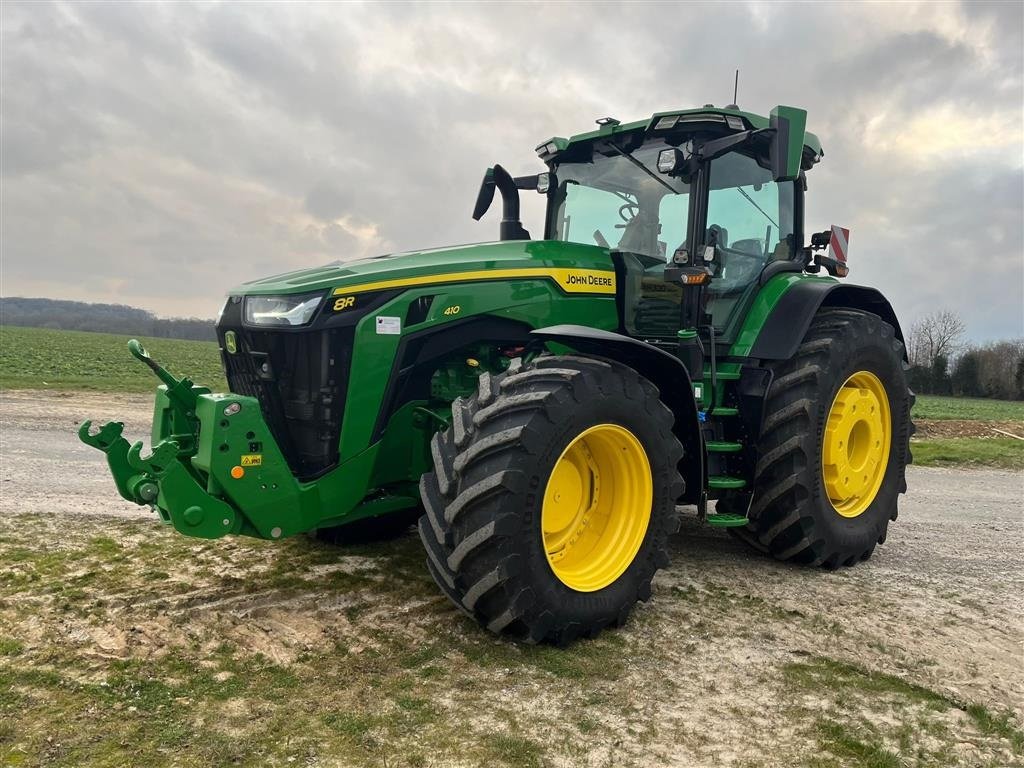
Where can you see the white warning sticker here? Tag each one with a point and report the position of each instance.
(390, 326)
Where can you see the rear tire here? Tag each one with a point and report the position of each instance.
(796, 513)
(487, 527)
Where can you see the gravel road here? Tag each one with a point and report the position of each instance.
(940, 605)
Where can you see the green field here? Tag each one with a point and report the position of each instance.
(40, 358)
(968, 408)
(1000, 452)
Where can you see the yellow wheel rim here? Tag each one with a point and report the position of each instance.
(597, 506)
(855, 449)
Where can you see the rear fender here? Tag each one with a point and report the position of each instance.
(663, 370)
(786, 326)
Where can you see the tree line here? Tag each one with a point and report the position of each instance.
(101, 318)
(942, 364)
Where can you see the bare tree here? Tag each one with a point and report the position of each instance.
(937, 334)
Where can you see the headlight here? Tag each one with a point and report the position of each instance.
(281, 310)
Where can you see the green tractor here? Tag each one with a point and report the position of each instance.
(544, 407)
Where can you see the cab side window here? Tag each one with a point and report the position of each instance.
(750, 222)
(750, 213)
(672, 212)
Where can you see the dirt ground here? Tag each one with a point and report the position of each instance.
(963, 428)
(124, 643)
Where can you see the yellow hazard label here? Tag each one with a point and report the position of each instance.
(252, 460)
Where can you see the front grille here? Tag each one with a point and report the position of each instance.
(300, 379)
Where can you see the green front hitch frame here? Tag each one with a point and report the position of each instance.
(190, 508)
(162, 476)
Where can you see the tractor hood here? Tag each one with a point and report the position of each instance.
(462, 262)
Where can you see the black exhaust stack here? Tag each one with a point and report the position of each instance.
(511, 227)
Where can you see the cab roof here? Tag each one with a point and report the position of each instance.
(706, 116)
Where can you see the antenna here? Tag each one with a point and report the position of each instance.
(735, 90)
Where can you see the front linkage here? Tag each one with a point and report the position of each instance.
(216, 469)
(165, 478)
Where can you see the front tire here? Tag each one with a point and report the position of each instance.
(552, 497)
(828, 475)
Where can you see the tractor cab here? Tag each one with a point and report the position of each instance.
(702, 201)
(708, 200)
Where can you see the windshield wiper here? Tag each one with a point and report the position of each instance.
(645, 169)
(751, 201)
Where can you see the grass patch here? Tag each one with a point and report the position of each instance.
(967, 408)
(846, 681)
(514, 750)
(103, 546)
(603, 658)
(997, 724)
(829, 674)
(857, 747)
(1000, 452)
(10, 647)
(42, 358)
(353, 727)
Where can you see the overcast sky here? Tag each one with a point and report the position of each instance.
(156, 155)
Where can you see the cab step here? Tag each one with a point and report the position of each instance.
(726, 521)
(723, 446)
(724, 482)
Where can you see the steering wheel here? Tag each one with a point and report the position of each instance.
(741, 266)
(750, 247)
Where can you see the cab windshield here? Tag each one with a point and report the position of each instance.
(622, 202)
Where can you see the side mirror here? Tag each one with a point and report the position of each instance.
(485, 196)
(787, 148)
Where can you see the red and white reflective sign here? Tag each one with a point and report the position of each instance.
(839, 244)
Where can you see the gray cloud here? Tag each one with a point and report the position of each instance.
(158, 154)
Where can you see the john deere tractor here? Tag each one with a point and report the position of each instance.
(545, 407)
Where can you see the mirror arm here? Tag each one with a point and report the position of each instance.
(718, 147)
(511, 228)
